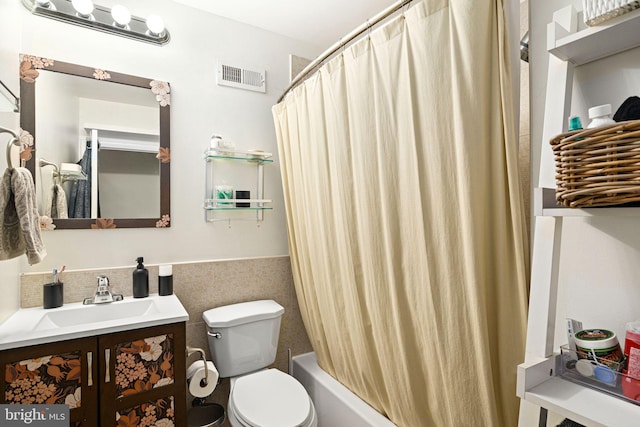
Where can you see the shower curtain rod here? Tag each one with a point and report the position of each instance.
(343, 42)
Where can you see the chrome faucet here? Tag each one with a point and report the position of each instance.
(103, 293)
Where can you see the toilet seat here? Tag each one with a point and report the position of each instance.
(270, 398)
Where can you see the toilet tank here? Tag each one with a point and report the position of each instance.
(243, 337)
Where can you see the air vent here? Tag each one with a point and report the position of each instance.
(241, 77)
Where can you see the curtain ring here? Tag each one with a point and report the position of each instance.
(406, 8)
(368, 29)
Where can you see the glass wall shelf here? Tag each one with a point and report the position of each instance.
(229, 204)
(224, 165)
(70, 176)
(251, 156)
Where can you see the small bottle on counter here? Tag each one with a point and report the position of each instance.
(140, 280)
(165, 280)
(600, 115)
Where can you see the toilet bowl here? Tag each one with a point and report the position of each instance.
(243, 340)
(270, 398)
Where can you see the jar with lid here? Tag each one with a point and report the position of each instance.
(600, 115)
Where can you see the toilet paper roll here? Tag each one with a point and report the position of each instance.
(196, 375)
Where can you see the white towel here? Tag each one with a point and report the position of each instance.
(11, 243)
(19, 219)
(56, 204)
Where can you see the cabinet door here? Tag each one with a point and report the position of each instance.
(143, 377)
(57, 373)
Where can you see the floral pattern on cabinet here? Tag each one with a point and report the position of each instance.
(159, 414)
(142, 365)
(51, 379)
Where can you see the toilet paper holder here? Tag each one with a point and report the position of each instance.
(193, 350)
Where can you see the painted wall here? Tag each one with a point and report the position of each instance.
(599, 270)
(599, 256)
(10, 37)
(199, 109)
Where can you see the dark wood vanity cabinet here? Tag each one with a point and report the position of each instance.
(128, 378)
(64, 372)
(143, 377)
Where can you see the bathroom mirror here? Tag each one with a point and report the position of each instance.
(101, 147)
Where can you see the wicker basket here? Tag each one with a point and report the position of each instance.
(598, 11)
(598, 167)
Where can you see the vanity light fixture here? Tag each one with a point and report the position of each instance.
(118, 20)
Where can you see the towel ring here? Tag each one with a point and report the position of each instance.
(56, 171)
(14, 141)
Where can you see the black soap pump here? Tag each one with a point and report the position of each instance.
(140, 280)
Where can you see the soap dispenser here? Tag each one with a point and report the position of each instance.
(140, 280)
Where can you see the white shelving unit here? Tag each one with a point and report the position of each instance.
(537, 380)
(544, 200)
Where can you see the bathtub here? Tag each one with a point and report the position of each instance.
(336, 405)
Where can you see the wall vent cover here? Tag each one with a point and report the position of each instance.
(241, 77)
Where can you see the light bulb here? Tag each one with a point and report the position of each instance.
(83, 7)
(121, 15)
(155, 24)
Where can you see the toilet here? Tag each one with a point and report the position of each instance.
(243, 339)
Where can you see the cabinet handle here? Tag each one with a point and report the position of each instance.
(89, 368)
(107, 355)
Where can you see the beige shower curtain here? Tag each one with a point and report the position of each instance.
(406, 229)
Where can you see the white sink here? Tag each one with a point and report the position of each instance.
(31, 326)
(96, 313)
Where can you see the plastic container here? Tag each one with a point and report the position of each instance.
(599, 344)
(242, 194)
(140, 280)
(574, 123)
(599, 374)
(165, 280)
(600, 115)
(224, 192)
(52, 295)
(631, 383)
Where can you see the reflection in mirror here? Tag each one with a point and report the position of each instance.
(101, 145)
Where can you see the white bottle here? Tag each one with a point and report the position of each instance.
(600, 115)
(216, 142)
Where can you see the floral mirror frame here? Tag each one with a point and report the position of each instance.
(30, 68)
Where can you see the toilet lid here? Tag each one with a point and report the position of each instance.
(270, 398)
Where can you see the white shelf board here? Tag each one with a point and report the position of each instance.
(545, 205)
(581, 404)
(593, 43)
